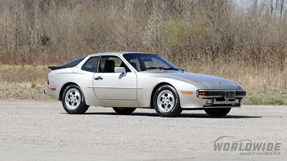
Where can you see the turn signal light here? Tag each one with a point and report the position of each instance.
(202, 93)
(48, 81)
(187, 92)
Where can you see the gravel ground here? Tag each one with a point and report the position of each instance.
(41, 130)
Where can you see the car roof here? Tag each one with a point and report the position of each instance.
(116, 53)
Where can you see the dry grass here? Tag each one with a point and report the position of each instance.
(27, 73)
(264, 80)
(246, 45)
(27, 90)
(264, 86)
(26, 82)
(254, 77)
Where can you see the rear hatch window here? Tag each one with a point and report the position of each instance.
(72, 63)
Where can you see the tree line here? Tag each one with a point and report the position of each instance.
(40, 32)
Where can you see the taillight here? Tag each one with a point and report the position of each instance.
(48, 81)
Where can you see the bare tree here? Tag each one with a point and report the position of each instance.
(281, 7)
(123, 18)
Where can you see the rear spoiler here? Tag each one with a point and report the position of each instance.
(56, 67)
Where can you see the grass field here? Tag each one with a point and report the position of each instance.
(28, 82)
(244, 44)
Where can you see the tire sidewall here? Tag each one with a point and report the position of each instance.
(79, 109)
(176, 108)
(218, 113)
(124, 111)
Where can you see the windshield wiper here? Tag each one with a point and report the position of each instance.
(160, 68)
(152, 68)
(170, 69)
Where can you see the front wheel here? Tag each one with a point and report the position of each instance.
(217, 112)
(73, 100)
(124, 111)
(166, 101)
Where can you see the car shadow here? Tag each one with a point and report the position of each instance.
(183, 115)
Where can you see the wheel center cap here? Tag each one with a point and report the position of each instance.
(165, 100)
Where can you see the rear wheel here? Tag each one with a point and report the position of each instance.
(166, 101)
(217, 112)
(124, 111)
(73, 100)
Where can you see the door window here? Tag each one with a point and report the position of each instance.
(108, 64)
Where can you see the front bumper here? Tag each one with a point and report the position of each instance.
(220, 94)
(219, 98)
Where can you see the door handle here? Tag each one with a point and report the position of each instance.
(99, 78)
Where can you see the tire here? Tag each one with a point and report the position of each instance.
(73, 100)
(166, 101)
(124, 111)
(217, 112)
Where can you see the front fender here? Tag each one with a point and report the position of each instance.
(146, 86)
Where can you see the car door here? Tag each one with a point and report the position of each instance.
(109, 85)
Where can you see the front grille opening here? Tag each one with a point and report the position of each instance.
(243, 93)
(223, 99)
(216, 93)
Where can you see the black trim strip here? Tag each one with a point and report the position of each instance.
(221, 93)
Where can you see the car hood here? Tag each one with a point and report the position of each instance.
(201, 80)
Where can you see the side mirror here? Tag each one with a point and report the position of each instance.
(121, 70)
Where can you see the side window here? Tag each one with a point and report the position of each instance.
(91, 64)
(108, 64)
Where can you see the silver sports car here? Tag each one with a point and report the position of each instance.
(129, 80)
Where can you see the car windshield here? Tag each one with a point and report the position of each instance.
(73, 62)
(144, 62)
